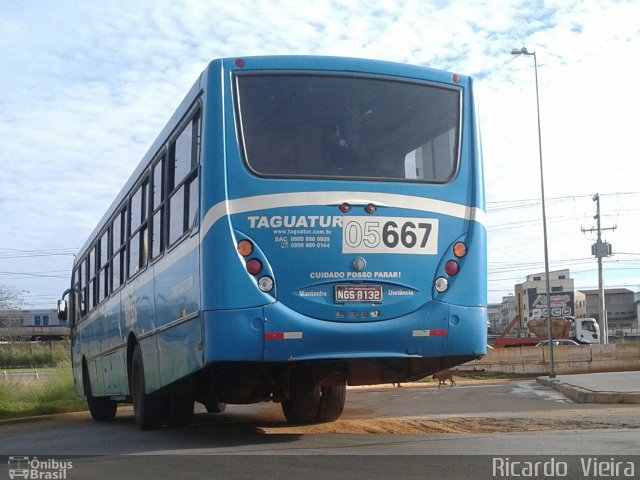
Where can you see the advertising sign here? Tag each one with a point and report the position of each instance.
(561, 304)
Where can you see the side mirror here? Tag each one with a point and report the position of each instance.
(62, 310)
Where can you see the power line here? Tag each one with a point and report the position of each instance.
(13, 253)
(565, 197)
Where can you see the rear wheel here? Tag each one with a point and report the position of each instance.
(331, 404)
(215, 407)
(180, 410)
(150, 410)
(302, 405)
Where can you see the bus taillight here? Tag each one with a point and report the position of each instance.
(452, 268)
(245, 248)
(254, 266)
(459, 249)
(345, 207)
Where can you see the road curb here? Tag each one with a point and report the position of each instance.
(583, 395)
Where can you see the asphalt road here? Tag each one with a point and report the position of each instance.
(420, 433)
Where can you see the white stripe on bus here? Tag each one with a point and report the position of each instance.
(302, 199)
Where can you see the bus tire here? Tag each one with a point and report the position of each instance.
(150, 410)
(302, 405)
(102, 409)
(332, 398)
(180, 410)
(215, 407)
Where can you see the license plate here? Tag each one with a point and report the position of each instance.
(358, 293)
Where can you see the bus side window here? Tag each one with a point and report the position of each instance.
(157, 209)
(93, 290)
(83, 287)
(103, 265)
(118, 250)
(183, 180)
(76, 294)
(138, 232)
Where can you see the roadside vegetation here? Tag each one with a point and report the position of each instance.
(14, 354)
(50, 390)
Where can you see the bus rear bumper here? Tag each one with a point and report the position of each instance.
(276, 333)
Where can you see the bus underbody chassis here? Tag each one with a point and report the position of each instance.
(309, 392)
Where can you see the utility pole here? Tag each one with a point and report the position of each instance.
(600, 250)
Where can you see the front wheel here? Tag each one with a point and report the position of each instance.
(102, 409)
(150, 410)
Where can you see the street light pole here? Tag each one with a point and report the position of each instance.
(524, 51)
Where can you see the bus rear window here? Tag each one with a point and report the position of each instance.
(348, 127)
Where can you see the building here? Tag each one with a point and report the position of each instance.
(531, 299)
(493, 316)
(580, 303)
(508, 310)
(620, 305)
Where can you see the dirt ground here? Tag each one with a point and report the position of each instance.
(607, 417)
(457, 424)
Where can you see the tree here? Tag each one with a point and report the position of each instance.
(10, 299)
(10, 318)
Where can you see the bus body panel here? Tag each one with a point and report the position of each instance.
(178, 329)
(180, 350)
(196, 310)
(234, 335)
(409, 277)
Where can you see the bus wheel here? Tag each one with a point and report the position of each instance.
(102, 409)
(149, 410)
(180, 410)
(302, 405)
(215, 407)
(332, 398)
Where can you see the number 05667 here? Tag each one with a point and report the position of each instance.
(390, 235)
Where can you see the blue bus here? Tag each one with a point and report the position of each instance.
(299, 225)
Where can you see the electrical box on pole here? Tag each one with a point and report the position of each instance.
(600, 250)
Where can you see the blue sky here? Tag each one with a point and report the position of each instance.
(87, 86)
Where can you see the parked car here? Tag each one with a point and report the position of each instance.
(556, 343)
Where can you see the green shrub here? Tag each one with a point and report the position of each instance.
(51, 394)
(33, 354)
